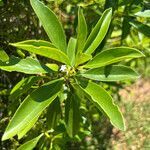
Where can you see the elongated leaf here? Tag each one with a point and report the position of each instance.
(143, 28)
(28, 126)
(103, 101)
(53, 114)
(71, 50)
(110, 73)
(145, 14)
(27, 65)
(3, 55)
(32, 106)
(99, 32)
(30, 144)
(82, 31)
(37, 43)
(72, 115)
(113, 55)
(82, 58)
(51, 24)
(23, 86)
(49, 52)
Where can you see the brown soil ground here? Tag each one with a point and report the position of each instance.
(136, 111)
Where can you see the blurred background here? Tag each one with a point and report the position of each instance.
(130, 27)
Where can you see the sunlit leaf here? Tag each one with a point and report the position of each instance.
(99, 32)
(71, 50)
(27, 65)
(145, 13)
(104, 102)
(49, 52)
(3, 55)
(82, 31)
(32, 106)
(113, 55)
(110, 73)
(30, 144)
(51, 24)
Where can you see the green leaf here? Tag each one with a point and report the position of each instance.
(54, 67)
(32, 106)
(99, 32)
(27, 65)
(28, 127)
(143, 28)
(51, 24)
(82, 58)
(22, 87)
(82, 31)
(71, 50)
(110, 73)
(49, 52)
(113, 55)
(53, 114)
(103, 101)
(30, 144)
(72, 115)
(145, 13)
(3, 55)
(37, 43)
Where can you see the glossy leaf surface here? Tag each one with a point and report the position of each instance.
(82, 31)
(27, 65)
(71, 50)
(49, 52)
(51, 24)
(32, 106)
(103, 101)
(3, 55)
(110, 73)
(99, 32)
(30, 144)
(82, 58)
(113, 55)
(145, 13)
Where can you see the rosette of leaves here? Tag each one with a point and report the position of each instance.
(81, 71)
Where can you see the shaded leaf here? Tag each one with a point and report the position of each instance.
(113, 55)
(32, 106)
(51, 24)
(99, 32)
(23, 86)
(30, 144)
(53, 114)
(110, 73)
(103, 101)
(72, 115)
(27, 65)
(143, 28)
(49, 52)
